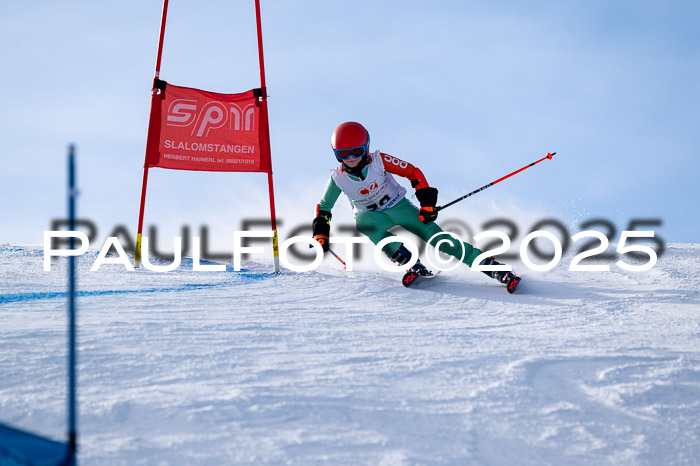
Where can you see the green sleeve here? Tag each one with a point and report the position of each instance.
(330, 195)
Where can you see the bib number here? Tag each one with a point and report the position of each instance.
(382, 202)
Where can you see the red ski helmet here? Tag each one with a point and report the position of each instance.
(350, 139)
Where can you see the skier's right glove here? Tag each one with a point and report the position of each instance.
(322, 228)
(428, 198)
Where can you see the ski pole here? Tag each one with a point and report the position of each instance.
(338, 257)
(548, 156)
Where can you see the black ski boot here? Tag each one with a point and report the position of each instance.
(401, 257)
(420, 269)
(508, 278)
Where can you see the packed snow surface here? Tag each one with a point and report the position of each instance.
(335, 367)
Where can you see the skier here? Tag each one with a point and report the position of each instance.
(379, 203)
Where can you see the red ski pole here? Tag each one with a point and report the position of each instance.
(548, 156)
(338, 257)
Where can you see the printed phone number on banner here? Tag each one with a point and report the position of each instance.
(189, 158)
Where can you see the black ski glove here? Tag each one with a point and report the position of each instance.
(427, 198)
(322, 228)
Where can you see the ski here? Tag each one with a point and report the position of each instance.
(411, 277)
(511, 281)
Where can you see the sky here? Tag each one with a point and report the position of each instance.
(468, 91)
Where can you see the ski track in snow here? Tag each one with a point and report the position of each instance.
(329, 367)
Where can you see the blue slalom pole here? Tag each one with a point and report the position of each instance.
(72, 194)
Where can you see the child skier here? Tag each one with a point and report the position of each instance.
(379, 203)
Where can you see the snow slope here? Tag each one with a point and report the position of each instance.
(330, 367)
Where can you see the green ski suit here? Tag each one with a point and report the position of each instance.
(375, 224)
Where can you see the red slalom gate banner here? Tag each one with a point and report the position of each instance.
(191, 129)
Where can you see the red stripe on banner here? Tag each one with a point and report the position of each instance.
(153, 130)
(265, 136)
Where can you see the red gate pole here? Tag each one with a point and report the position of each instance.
(266, 134)
(151, 127)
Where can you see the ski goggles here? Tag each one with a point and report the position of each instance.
(353, 152)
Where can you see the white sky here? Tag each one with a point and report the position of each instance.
(466, 90)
